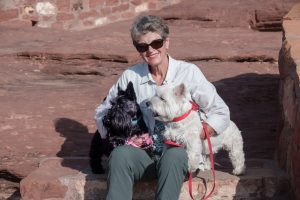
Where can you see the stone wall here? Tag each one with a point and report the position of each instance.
(74, 14)
(289, 67)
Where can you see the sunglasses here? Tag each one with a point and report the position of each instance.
(143, 47)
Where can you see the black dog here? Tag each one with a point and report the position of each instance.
(123, 120)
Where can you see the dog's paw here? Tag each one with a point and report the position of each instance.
(206, 162)
(193, 165)
(192, 168)
(201, 167)
(207, 165)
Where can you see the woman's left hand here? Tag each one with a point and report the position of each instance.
(140, 140)
(136, 141)
(210, 130)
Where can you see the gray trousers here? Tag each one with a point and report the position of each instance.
(128, 164)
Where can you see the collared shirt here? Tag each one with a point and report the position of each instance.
(213, 108)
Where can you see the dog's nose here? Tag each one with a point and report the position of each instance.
(148, 103)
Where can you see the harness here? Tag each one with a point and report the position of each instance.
(174, 144)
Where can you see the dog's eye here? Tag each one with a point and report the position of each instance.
(161, 98)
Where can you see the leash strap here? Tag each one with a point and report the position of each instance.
(191, 185)
(171, 143)
(193, 108)
(211, 157)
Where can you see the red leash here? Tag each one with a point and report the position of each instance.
(194, 108)
(174, 144)
(211, 157)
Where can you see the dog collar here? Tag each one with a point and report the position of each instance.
(135, 121)
(194, 108)
(116, 141)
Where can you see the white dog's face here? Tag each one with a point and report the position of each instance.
(170, 102)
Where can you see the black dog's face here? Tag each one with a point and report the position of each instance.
(118, 120)
(122, 118)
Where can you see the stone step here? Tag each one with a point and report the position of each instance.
(71, 179)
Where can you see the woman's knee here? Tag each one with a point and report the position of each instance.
(122, 156)
(176, 156)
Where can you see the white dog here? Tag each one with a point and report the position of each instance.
(171, 102)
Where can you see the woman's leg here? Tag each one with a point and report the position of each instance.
(127, 164)
(172, 169)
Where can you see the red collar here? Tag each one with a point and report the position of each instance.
(194, 107)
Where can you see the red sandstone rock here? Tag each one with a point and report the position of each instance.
(289, 132)
(70, 178)
(8, 15)
(52, 80)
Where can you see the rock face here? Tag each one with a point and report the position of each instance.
(75, 15)
(71, 179)
(52, 80)
(289, 67)
(262, 15)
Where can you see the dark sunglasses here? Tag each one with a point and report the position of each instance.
(143, 47)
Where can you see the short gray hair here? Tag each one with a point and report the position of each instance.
(148, 23)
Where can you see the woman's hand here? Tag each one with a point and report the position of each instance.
(210, 131)
(136, 141)
(140, 141)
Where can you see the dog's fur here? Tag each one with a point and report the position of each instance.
(171, 102)
(123, 120)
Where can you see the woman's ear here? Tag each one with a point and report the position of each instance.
(167, 43)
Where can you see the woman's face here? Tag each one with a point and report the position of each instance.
(154, 56)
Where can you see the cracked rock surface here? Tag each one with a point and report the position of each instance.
(52, 80)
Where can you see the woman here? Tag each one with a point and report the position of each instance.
(150, 36)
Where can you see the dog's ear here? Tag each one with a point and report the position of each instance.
(106, 121)
(130, 91)
(120, 91)
(113, 102)
(180, 90)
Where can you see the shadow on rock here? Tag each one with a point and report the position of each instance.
(77, 140)
(9, 185)
(74, 152)
(253, 100)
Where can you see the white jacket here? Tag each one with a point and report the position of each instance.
(202, 92)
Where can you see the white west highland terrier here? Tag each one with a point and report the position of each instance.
(171, 102)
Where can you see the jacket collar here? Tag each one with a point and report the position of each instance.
(170, 73)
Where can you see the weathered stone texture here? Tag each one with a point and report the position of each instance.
(8, 14)
(289, 67)
(50, 75)
(246, 14)
(71, 179)
(84, 13)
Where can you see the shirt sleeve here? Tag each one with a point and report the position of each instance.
(205, 95)
(102, 109)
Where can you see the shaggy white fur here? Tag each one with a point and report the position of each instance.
(173, 101)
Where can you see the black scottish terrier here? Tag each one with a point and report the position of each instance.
(123, 120)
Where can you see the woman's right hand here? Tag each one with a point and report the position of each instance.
(210, 130)
(140, 140)
(135, 141)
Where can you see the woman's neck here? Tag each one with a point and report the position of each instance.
(159, 72)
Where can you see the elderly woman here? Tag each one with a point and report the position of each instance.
(127, 164)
